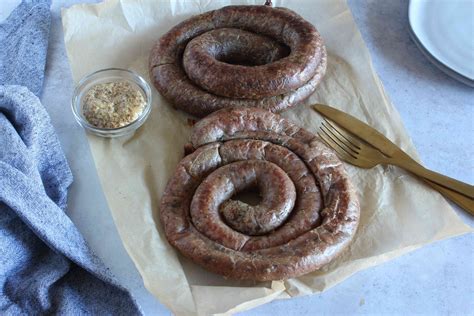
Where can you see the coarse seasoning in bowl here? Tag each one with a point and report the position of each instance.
(112, 102)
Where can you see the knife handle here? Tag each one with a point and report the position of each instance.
(442, 180)
(461, 200)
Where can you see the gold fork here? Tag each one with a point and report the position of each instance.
(356, 152)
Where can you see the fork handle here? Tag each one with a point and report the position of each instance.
(442, 180)
(461, 200)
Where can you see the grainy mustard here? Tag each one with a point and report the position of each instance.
(113, 104)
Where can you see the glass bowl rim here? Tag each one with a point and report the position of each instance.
(138, 80)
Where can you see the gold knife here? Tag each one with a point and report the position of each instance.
(380, 142)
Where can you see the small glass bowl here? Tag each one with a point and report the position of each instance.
(105, 76)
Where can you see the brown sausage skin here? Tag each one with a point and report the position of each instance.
(188, 97)
(325, 213)
(231, 47)
(171, 80)
(212, 200)
(202, 61)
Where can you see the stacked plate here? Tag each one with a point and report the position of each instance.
(444, 31)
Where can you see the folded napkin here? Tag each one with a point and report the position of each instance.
(45, 264)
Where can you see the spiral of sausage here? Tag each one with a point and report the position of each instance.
(307, 215)
(252, 56)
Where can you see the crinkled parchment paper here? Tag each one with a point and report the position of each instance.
(399, 212)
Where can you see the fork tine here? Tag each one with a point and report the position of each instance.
(349, 147)
(344, 155)
(349, 137)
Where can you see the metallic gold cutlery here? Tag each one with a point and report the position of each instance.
(359, 144)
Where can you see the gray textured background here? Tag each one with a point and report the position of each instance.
(438, 113)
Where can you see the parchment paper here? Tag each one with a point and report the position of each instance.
(399, 213)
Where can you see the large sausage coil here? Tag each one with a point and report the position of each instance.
(308, 212)
(252, 56)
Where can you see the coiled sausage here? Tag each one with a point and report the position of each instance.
(309, 211)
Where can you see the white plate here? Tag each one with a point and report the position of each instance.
(444, 31)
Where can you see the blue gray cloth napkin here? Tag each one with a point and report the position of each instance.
(46, 266)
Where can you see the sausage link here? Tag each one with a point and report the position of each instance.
(235, 148)
(213, 85)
